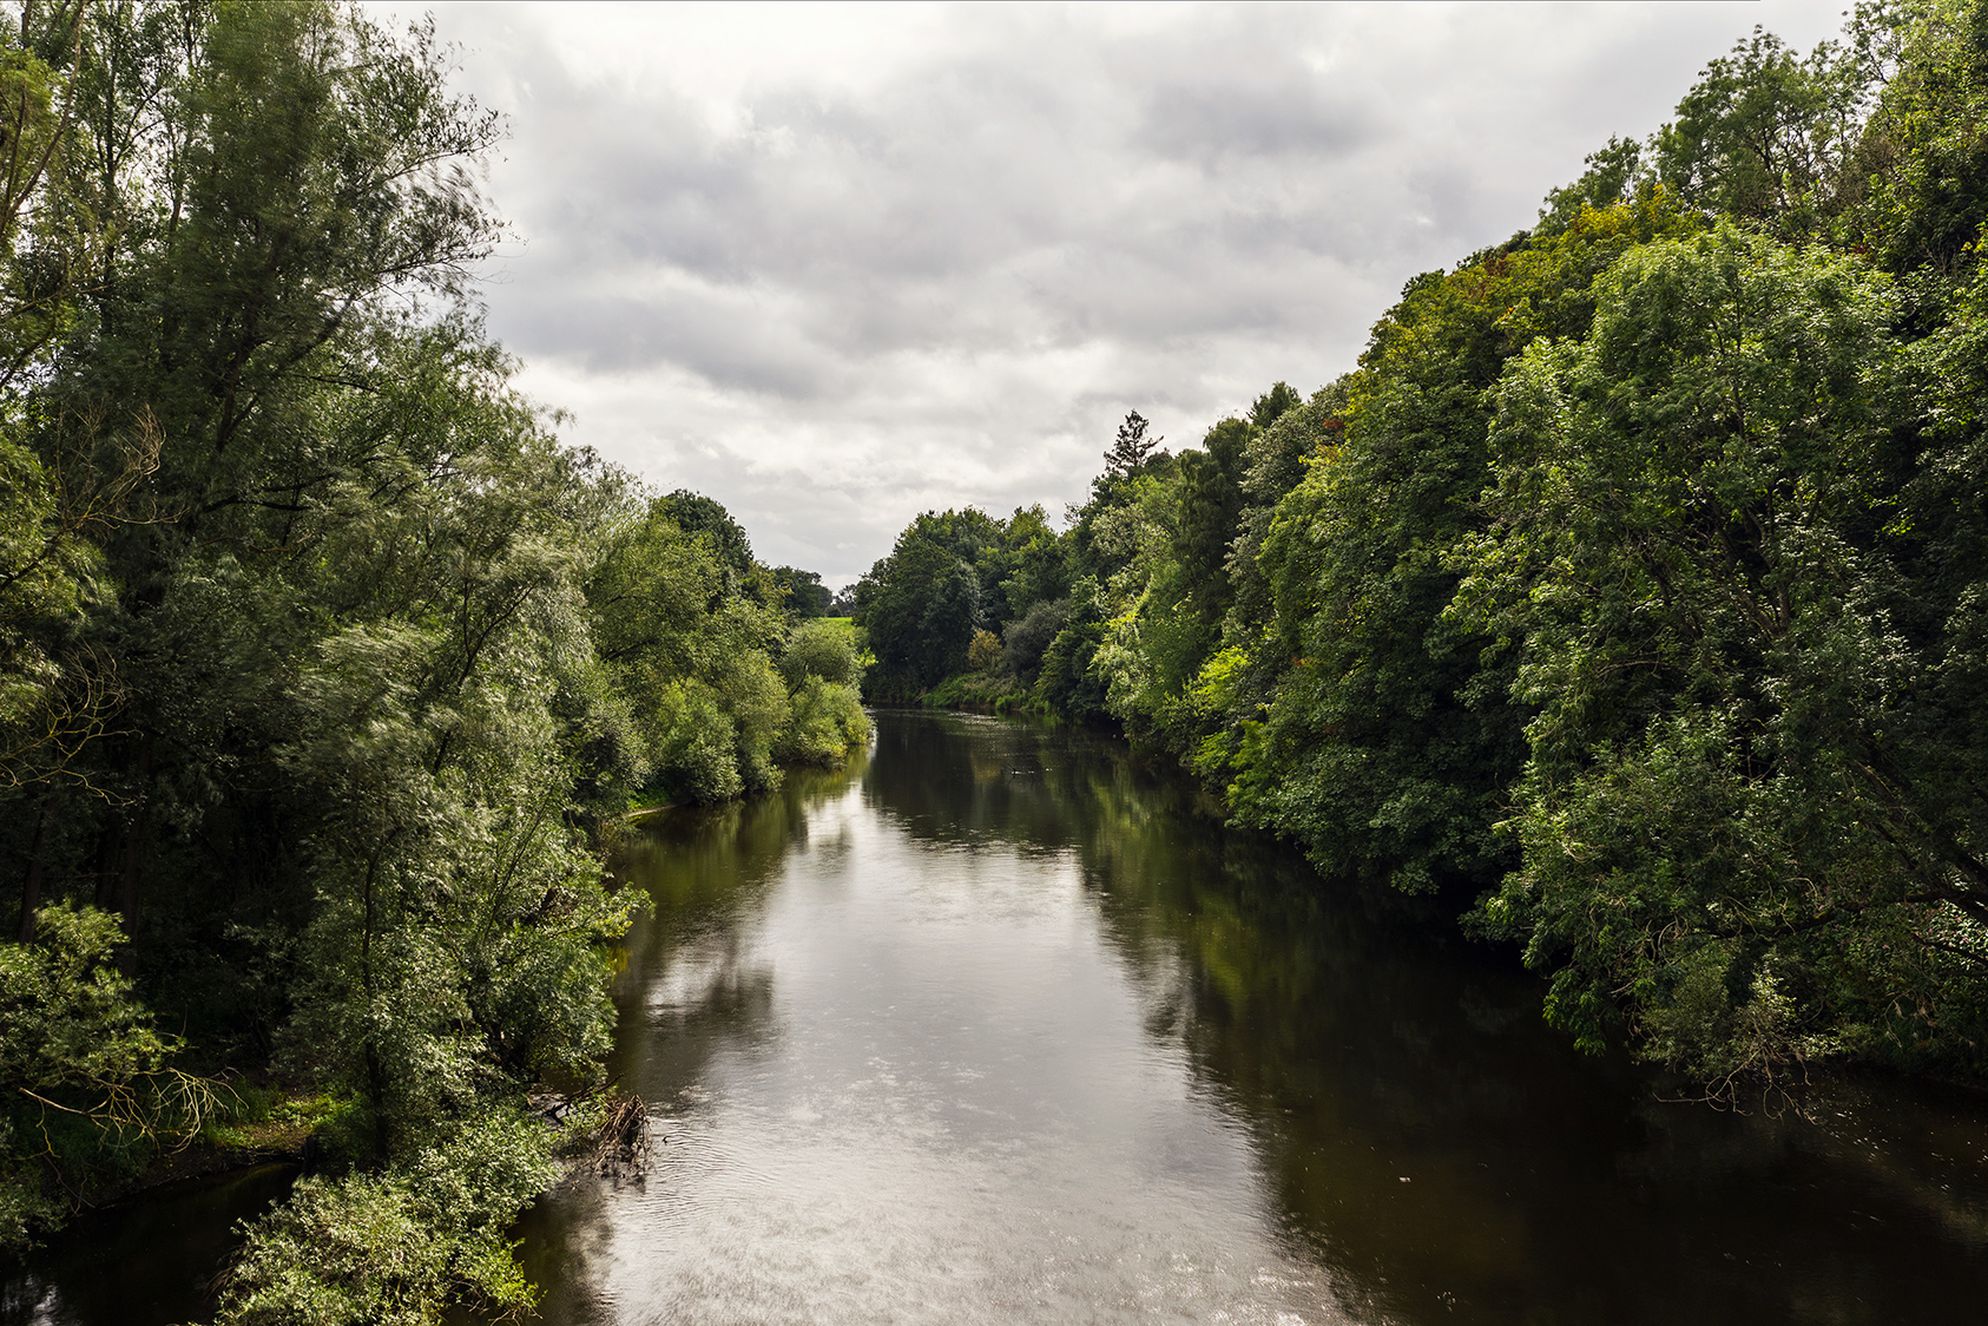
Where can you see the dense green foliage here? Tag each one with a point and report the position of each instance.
(389, 1248)
(1632, 589)
(325, 671)
(806, 596)
(949, 573)
(79, 1040)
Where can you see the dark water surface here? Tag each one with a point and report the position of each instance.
(996, 1029)
(150, 1262)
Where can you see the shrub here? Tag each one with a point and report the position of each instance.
(983, 652)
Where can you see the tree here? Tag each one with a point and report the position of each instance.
(1616, 174)
(802, 592)
(1026, 640)
(679, 631)
(825, 650)
(82, 1067)
(983, 651)
(920, 607)
(367, 1249)
(1069, 681)
(1027, 564)
(1763, 134)
(1723, 842)
(696, 514)
(1272, 405)
(1388, 743)
(1131, 449)
(1211, 503)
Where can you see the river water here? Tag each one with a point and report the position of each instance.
(997, 1028)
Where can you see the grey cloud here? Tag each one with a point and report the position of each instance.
(839, 300)
(1290, 112)
(718, 334)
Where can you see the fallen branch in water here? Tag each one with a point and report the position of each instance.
(621, 1142)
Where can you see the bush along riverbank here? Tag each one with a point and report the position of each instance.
(325, 669)
(1628, 589)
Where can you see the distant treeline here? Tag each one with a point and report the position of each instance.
(1633, 587)
(325, 671)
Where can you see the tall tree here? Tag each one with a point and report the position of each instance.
(1131, 448)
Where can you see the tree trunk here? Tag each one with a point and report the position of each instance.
(31, 889)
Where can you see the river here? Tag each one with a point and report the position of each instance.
(996, 1027)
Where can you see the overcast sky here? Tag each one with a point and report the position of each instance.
(837, 266)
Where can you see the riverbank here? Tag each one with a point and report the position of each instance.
(985, 693)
